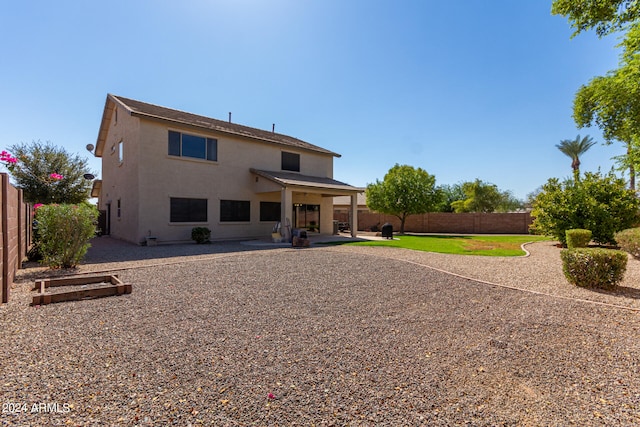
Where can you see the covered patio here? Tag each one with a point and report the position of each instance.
(311, 196)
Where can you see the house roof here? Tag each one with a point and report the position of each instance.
(156, 112)
(292, 179)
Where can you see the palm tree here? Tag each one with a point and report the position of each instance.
(574, 149)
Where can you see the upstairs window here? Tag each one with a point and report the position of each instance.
(290, 161)
(197, 147)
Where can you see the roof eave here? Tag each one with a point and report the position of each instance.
(268, 176)
(109, 107)
(96, 188)
(333, 188)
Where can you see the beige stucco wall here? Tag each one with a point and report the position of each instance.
(119, 179)
(146, 207)
(326, 215)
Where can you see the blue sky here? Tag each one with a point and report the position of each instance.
(466, 89)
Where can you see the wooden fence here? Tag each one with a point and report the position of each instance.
(15, 233)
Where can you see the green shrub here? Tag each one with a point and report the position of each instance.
(578, 238)
(34, 253)
(201, 234)
(600, 203)
(629, 241)
(64, 233)
(594, 267)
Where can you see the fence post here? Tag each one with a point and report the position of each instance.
(5, 238)
(21, 213)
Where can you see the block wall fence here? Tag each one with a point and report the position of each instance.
(15, 233)
(439, 222)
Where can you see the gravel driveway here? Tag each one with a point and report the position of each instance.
(322, 336)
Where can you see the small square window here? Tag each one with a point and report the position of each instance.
(290, 161)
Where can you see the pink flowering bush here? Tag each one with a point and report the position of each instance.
(7, 158)
(46, 173)
(11, 162)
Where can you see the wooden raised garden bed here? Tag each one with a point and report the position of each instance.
(78, 288)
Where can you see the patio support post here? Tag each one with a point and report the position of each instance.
(354, 215)
(286, 212)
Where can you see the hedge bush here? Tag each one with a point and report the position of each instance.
(200, 234)
(594, 267)
(578, 238)
(629, 241)
(64, 233)
(596, 202)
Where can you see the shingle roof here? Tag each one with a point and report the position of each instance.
(296, 179)
(143, 109)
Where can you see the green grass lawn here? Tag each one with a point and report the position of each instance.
(487, 245)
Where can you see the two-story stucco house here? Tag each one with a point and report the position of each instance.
(166, 171)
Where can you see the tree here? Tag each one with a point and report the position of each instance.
(606, 16)
(404, 191)
(509, 203)
(486, 198)
(574, 149)
(448, 195)
(48, 174)
(598, 203)
(531, 197)
(612, 103)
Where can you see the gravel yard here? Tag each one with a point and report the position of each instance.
(234, 335)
